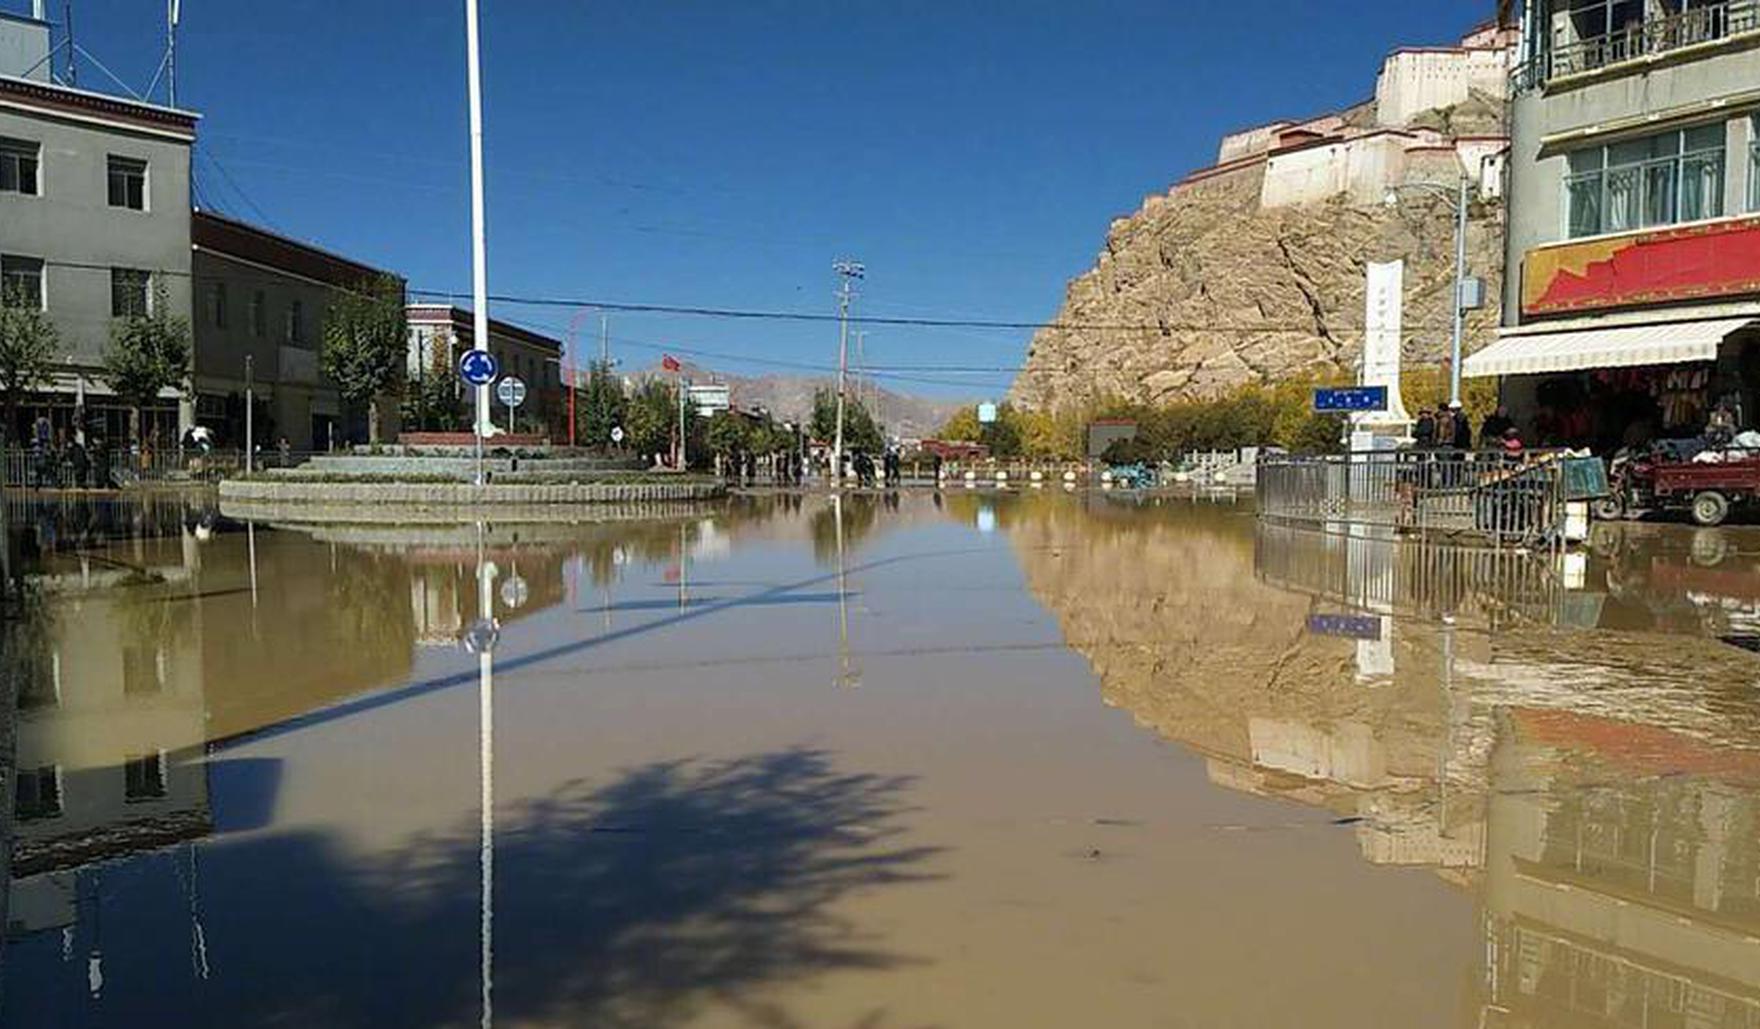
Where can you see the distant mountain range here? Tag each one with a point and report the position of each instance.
(790, 398)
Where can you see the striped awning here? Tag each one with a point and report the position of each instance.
(1615, 347)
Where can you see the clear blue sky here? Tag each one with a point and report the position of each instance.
(722, 154)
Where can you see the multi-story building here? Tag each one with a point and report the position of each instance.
(1632, 278)
(264, 298)
(438, 333)
(94, 223)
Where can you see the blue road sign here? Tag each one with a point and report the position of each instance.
(1351, 398)
(1356, 627)
(478, 367)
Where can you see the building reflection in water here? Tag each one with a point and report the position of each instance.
(1476, 712)
(154, 638)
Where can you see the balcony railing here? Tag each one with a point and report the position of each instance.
(1641, 39)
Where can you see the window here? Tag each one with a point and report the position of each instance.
(217, 304)
(296, 322)
(259, 314)
(38, 794)
(19, 161)
(21, 281)
(1754, 163)
(143, 777)
(129, 293)
(128, 183)
(1656, 180)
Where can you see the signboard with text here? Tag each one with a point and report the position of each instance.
(1351, 398)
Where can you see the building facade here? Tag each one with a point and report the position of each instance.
(438, 333)
(263, 298)
(94, 225)
(1631, 300)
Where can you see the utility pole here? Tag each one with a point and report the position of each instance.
(605, 341)
(849, 271)
(861, 363)
(1460, 281)
(479, 245)
(681, 392)
(250, 410)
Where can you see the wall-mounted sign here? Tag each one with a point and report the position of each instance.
(1685, 262)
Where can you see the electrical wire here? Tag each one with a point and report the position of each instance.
(756, 314)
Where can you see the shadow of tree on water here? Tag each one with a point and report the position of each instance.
(673, 891)
(678, 884)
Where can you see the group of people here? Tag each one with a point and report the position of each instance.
(891, 470)
(57, 460)
(1447, 427)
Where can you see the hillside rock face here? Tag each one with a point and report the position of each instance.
(1203, 290)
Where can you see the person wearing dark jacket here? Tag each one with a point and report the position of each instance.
(1495, 425)
(1424, 431)
(1463, 428)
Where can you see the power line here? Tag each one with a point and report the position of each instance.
(755, 314)
(242, 195)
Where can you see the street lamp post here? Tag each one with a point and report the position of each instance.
(1458, 197)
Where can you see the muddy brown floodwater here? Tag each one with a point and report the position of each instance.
(963, 760)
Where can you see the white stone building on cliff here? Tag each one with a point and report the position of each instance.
(1407, 132)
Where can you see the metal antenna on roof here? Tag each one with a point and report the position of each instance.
(172, 9)
(72, 62)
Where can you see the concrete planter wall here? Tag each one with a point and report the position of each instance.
(464, 495)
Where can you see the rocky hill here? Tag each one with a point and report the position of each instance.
(1252, 270)
(1202, 291)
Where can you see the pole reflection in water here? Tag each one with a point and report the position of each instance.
(481, 638)
(848, 675)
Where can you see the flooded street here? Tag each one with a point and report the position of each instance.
(962, 760)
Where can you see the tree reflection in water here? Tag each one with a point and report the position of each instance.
(643, 901)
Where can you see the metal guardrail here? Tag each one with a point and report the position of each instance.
(1484, 495)
(70, 469)
(1409, 576)
(1701, 24)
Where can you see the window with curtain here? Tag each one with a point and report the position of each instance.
(1671, 177)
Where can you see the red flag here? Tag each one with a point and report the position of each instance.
(670, 363)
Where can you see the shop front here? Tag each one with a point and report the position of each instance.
(1657, 381)
(1631, 337)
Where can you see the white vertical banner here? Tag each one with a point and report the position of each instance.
(1383, 302)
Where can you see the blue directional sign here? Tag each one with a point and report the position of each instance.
(1356, 627)
(1351, 398)
(478, 367)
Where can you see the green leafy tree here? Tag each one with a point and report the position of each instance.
(727, 434)
(652, 420)
(28, 341)
(148, 354)
(860, 431)
(365, 341)
(435, 401)
(601, 405)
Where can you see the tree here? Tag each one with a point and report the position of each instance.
(148, 354)
(366, 338)
(28, 341)
(436, 402)
(727, 434)
(860, 431)
(652, 420)
(601, 405)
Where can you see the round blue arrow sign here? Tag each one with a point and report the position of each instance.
(478, 367)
